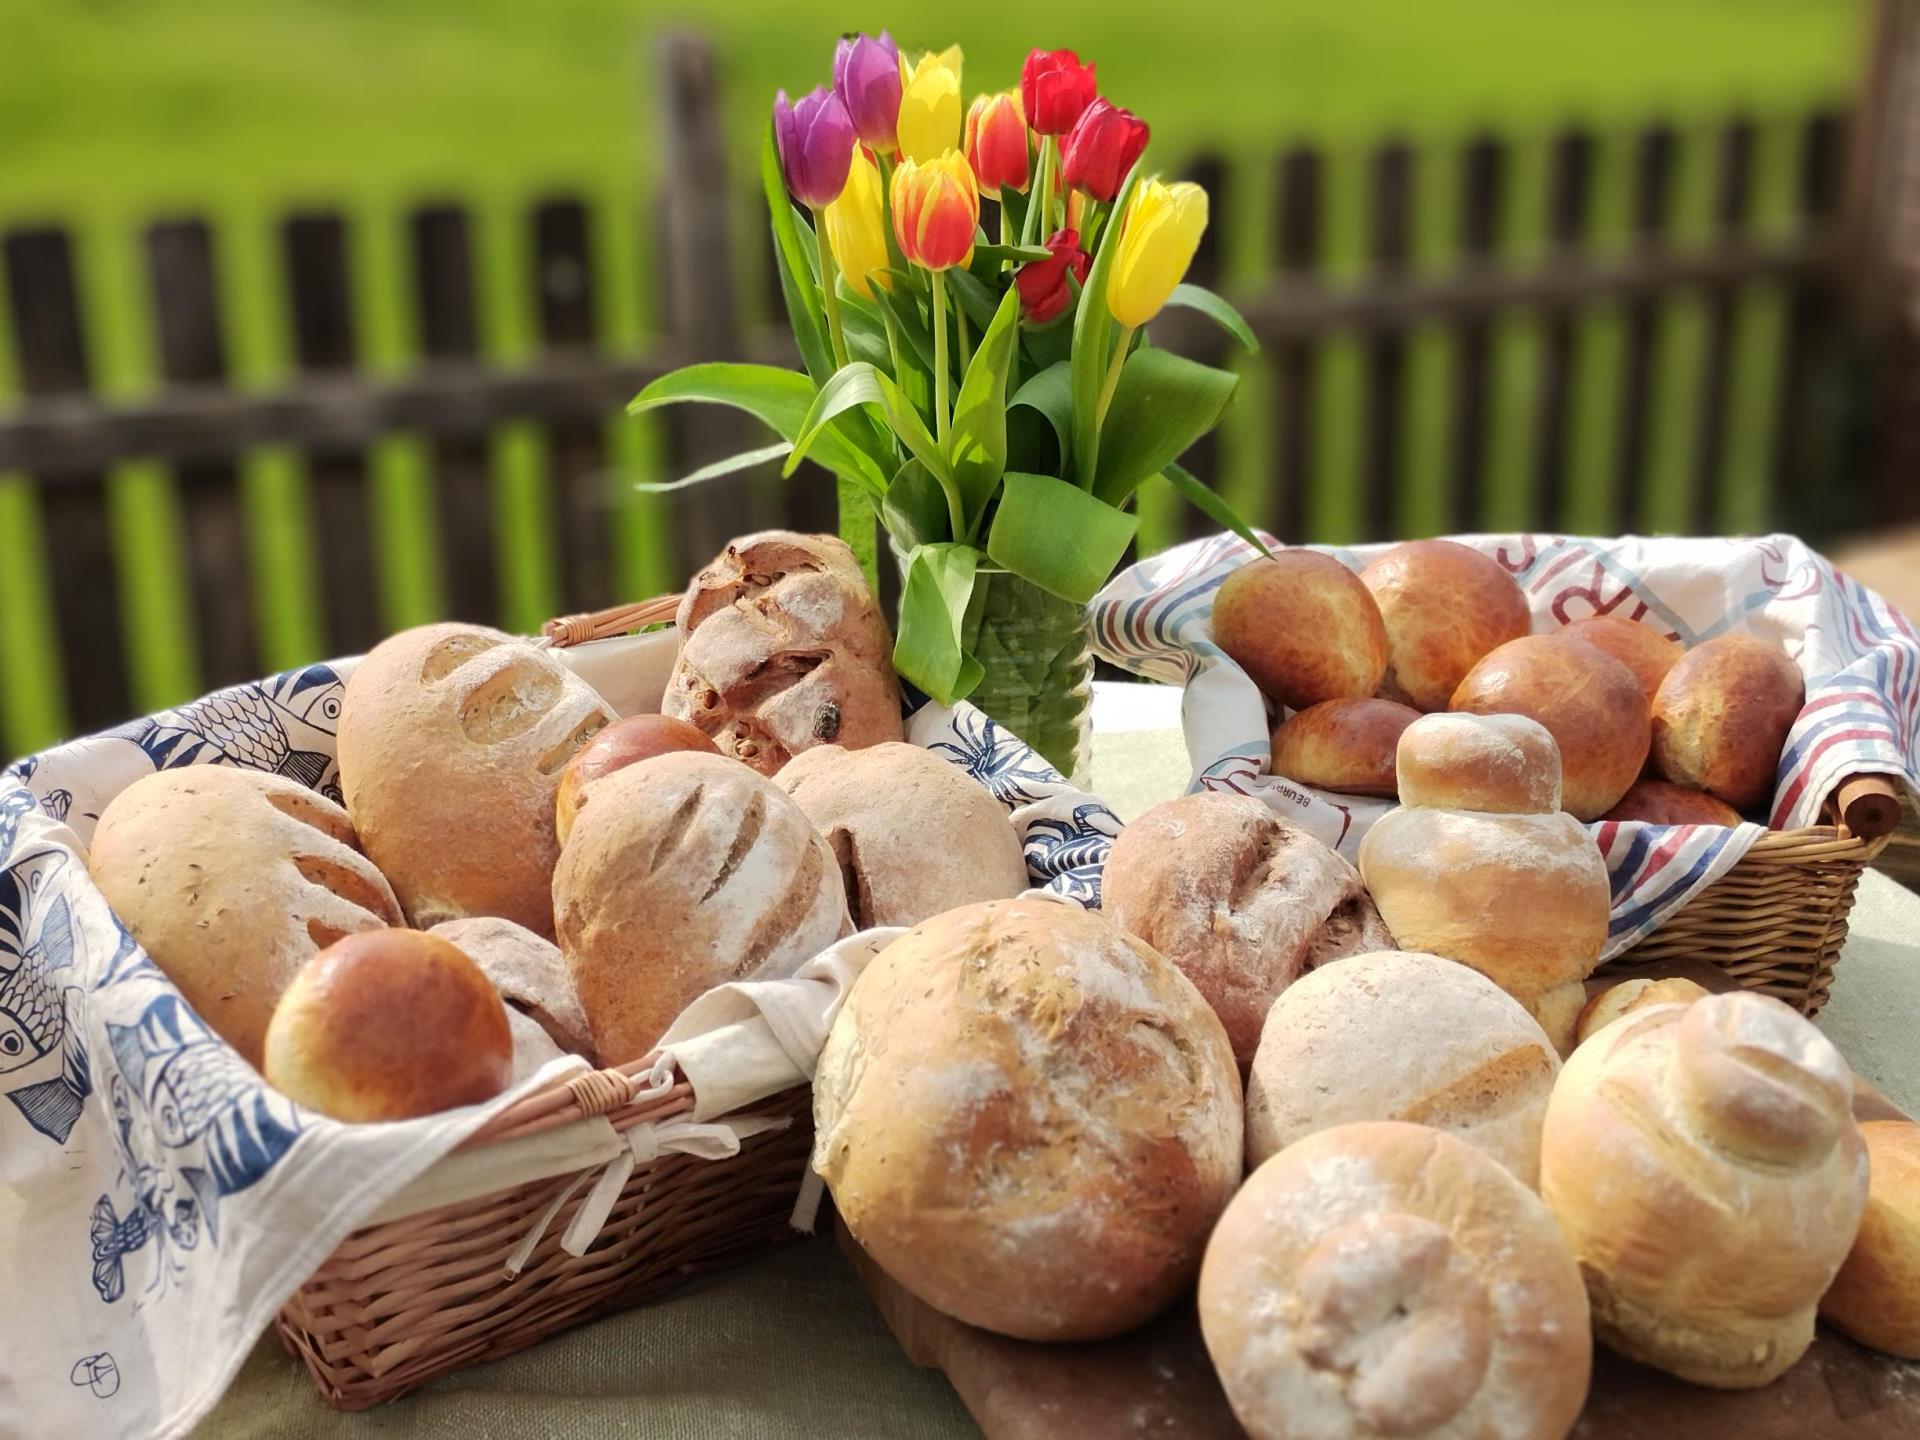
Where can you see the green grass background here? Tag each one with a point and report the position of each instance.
(115, 112)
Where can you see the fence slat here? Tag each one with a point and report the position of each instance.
(1198, 338)
(186, 308)
(1732, 206)
(320, 302)
(1569, 190)
(1652, 187)
(1808, 345)
(1298, 229)
(449, 330)
(1382, 410)
(1483, 177)
(51, 352)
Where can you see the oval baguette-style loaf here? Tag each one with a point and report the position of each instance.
(1303, 627)
(913, 834)
(687, 871)
(1636, 645)
(783, 647)
(1239, 900)
(1705, 1166)
(1029, 1119)
(1721, 717)
(452, 740)
(1876, 1296)
(1630, 995)
(232, 880)
(1385, 1280)
(1444, 605)
(1400, 1036)
(1346, 746)
(1501, 764)
(528, 971)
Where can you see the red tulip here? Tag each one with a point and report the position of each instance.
(1055, 87)
(1104, 145)
(1043, 283)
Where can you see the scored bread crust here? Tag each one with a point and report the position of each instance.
(528, 971)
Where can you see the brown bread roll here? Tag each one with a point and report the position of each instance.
(533, 1047)
(1444, 605)
(913, 834)
(1659, 802)
(1587, 700)
(1628, 996)
(1400, 1036)
(233, 879)
(388, 1026)
(623, 743)
(1722, 715)
(1388, 1280)
(1029, 1119)
(1343, 745)
(1876, 1296)
(782, 648)
(687, 871)
(529, 972)
(1704, 1164)
(1641, 648)
(1238, 899)
(452, 740)
(1501, 764)
(1303, 627)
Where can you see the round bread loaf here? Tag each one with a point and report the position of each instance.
(452, 740)
(1399, 1036)
(1660, 802)
(687, 871)
(1876, 1296)
(1721, 717)
(1444, 605)
(1628, 996)
(623, 743)
(1587, 700)
(782, 648)
(1641, 648)
(1501, 764)
(913, 834)
(232, 880)
(1388, 1280)
(1029, 1119)
(1705, 1166)
(1303, 627)
(389, 1025)
(533, 1047)
(1238, 899)
(529, 972)
(1343, 745)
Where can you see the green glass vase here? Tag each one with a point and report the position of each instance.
(1039, 669)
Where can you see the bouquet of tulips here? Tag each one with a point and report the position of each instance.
(993, 399)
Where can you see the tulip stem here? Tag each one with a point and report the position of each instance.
(829, 288)
(941, 418)
(1035, 231)
(1112, 382)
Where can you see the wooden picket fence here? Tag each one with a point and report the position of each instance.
(1831, 415)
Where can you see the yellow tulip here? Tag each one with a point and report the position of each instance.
(930, 105)
(857, 227)
(1162, 230)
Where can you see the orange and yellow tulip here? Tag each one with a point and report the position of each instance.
(997, 143)
(936, 210)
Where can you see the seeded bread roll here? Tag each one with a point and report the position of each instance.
(1876, 1296)
(687, 871)
(530, 974)
(1630, 995)
(1721, 717)
(232, 880)
(1444, 605)
(913, 835)
(452, 740)
(1241, 901)
(1346, 746)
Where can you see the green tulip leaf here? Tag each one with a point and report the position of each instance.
(1198, 297)
(915, 339)
(1212, 506)
(1056, 535)
(994, 255)
(977, 446)
(861, 384)
(915, 510)
(1051, 393)
(979, 300)
(930, 650)
(1092, 346)
(745, 460)
(799, 286)
(1162, 404)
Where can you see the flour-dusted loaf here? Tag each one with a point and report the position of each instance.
(1240, 900)
(1721, 717)
(1637, 993)
(1346, 746)
(687, 871)
(233, 879)
(1704, 1164)
(530, 974)
(1387, 1281)
(1400, 1036)
(914, 835)
(1444, 605)
(452, 740)
(1029, 1119)
(782, 648)
(1876, 1296)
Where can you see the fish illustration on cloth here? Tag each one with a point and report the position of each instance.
(39, 1011)
(249, 726)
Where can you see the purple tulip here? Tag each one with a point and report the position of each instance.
(866, 76)
(816, 145)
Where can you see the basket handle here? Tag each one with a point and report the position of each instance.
(1866, 805)
(567, 630)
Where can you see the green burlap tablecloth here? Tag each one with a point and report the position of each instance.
(788, 1346)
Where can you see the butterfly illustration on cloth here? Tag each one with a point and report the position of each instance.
(253, 726)
(997, 760)
(39, 1010)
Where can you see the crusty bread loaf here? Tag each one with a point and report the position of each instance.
(1029, 1119)
(1660, 802)
(783, 647)
(687, 871)
(533, 1047)
(1876, 1296)
(623, 743)
(913, 834)
(1587, 700)
(452, 740)
(1647, 652)
(1444, 605)
(1610, 1004)
(1399, 1036)
(1303, 627)
(1389, 1280)
(389, 1025)
(1499, 764)
(1705, 1166)
(1238, 899)
(1343, 745)
(1721, 717)
(529, 972)
(233, 879)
